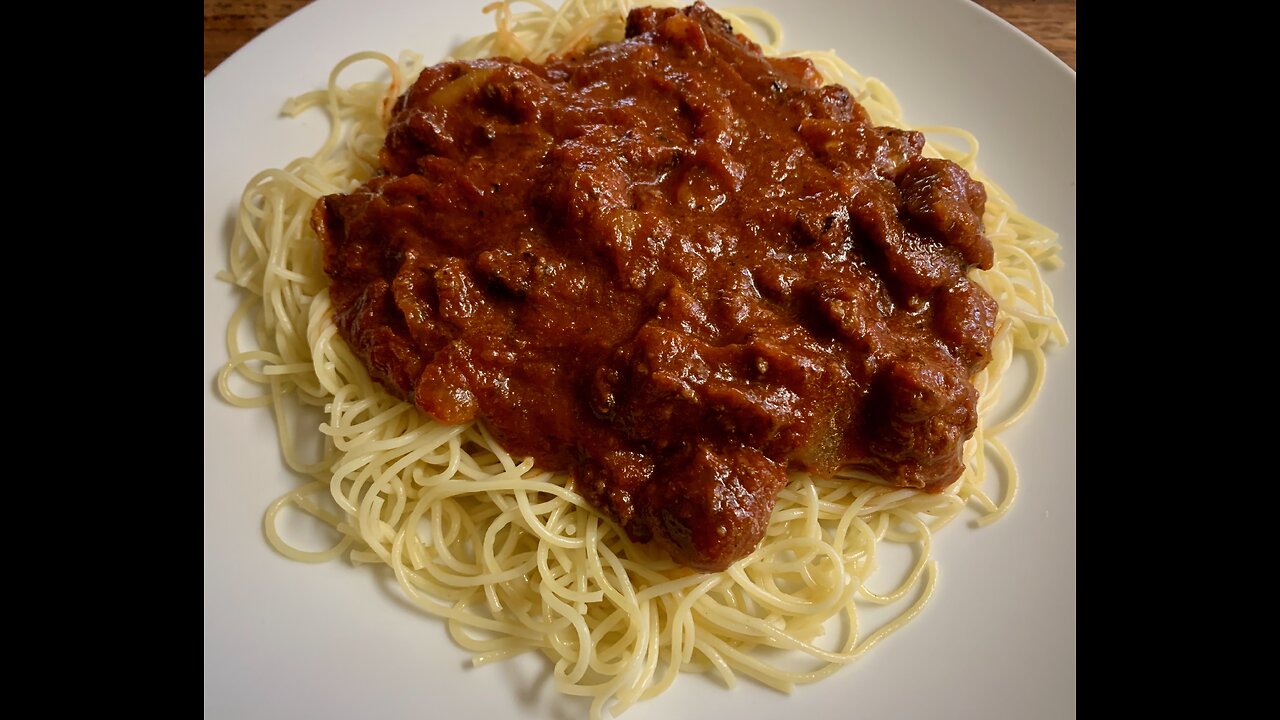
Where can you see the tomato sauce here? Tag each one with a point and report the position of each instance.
(673, 267)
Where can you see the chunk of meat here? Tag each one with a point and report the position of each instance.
(713, 505)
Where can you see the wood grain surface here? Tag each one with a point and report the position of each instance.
(229, 24)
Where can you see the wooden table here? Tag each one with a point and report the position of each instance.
(229, 24)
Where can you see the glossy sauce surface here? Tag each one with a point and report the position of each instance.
(673, 267)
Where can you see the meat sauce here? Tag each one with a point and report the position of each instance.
(676, 269)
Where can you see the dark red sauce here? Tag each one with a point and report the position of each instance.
(673, 267)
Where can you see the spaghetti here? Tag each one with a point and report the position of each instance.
(510, 556)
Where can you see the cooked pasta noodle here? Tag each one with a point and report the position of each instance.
(509, 555)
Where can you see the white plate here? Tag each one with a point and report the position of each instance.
(284, 639)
